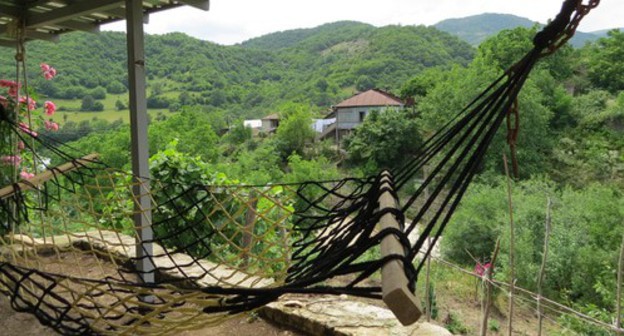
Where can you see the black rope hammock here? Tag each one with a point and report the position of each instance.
(334, 224)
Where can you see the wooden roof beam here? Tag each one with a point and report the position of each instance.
(10, 11)
(33, 34)
(70, 11)
(200, 4)
(120, 13)
(82, 26)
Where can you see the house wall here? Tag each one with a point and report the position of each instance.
(269, 124)
(349, 117)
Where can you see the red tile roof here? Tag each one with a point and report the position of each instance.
(372, 97)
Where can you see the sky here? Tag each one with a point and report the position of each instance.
(234, 21)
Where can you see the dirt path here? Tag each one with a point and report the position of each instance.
(13, 323)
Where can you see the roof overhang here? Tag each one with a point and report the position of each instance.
(47, 19)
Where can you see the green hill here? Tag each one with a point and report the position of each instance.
(475, 29)
(318, 66)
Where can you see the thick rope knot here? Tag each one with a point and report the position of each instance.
(557, 27)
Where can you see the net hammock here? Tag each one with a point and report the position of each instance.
(68, 248)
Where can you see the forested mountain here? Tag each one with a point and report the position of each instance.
(475, 29)
(289, 38)
(316, 66)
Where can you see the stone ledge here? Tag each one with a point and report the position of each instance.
(342, 316)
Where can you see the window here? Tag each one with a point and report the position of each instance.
(362, 116)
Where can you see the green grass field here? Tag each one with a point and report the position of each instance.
(69, 110)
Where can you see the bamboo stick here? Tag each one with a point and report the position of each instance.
(618, 304)
(487, 298)
(47, 175)
(512, 274)
(250, 222)
(540, 279)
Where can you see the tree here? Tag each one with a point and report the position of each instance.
(119, 105)
(384, 140)
(116, 87)
(239, 133)
(364, 83)
(606, 69)
(87, 103)
(193, 131)
(294, 132)
(98, 93)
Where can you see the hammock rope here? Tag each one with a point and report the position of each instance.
(67, 254)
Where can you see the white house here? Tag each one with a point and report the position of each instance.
(352, 111)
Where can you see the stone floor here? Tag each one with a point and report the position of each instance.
(311, 314)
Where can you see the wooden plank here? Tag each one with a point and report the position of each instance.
(47, 175)
(71, 11)
(396, 293)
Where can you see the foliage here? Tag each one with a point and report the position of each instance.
(193, 131)
(586, 232)
(19, 123)
(395, 134)
(185, 175)
(606, 69)
(453, 324)
(90, 104)
(294, 132)
(187, 227)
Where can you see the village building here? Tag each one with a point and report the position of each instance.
(351, 112)
(270, 123)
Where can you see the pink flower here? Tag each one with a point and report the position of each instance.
(11, 160)
(482, 269)
(4, 102)
(26, 175)
(51, 126)
(13, 86)
(32, 104)
(49, 107)
(48, 71)
(24, 128)
(20, 145)
(7, 83)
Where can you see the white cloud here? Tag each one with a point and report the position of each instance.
(233, 21)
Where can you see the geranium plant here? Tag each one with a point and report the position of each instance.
(20, 111)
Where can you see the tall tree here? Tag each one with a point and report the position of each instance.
(606, 69)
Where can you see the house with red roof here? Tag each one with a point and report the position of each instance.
(352, 111)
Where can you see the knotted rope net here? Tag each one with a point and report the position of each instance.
(69, 247)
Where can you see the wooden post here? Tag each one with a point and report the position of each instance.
(620, 278)
(396, 294)
(487, 298)
(512, 273)
(250, 222)
(139, 148)
(540, 279)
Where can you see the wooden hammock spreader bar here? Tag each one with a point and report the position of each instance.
(395, 291)
(47, 175)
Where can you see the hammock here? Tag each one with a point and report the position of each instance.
(69, 248)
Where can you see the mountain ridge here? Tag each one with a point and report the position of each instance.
(474, 29)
